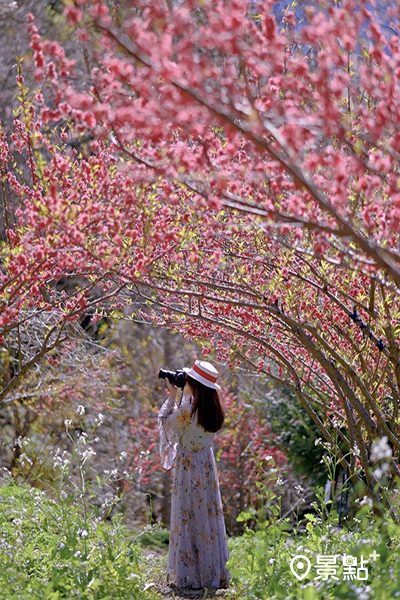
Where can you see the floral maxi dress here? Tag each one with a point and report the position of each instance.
(198, 547)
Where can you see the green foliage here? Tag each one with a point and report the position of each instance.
(260, 559)
(297, 434)
(154, 537)
(49, 551)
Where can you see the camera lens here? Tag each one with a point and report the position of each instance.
(165, 374)
(177, 378)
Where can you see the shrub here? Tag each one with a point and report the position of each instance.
(260, 559)
(49, 551)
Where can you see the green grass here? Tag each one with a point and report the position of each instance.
(260, 560)
(49, 551)
(52, 550)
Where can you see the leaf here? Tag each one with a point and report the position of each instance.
(245, 516)
(311, 517)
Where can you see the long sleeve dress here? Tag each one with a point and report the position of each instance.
(198, 547)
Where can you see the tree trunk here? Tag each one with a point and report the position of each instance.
(165, 510)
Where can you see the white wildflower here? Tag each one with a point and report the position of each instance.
(381, 449)
(100, 419)
(109, 500)
(381, 471)
(87, 454)
(366, 501)
(80, 410)
(82, 439)
(57, 461)
(83, 533)
(356, 450)
(25, 459)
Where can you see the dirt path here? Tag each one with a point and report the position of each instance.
(171, 593)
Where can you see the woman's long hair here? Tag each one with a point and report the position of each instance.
(207, 404)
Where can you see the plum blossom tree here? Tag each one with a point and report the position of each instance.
(240, 176)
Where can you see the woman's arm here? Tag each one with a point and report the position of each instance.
(170, 404)
(175, 418)
(171, 422)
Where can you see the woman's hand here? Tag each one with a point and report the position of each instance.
(173, 390)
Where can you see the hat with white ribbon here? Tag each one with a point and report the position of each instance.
(205, 373)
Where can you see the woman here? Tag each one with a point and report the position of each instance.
(198, 547)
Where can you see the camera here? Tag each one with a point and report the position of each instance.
(177, 378)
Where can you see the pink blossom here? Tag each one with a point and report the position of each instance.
(36, 43)
(100, 11)
(82, 101)
(89, 119)
(73, 14)
(83, 35)
(39, 60)
(395, 217)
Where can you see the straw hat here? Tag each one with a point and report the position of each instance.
(205, 373)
